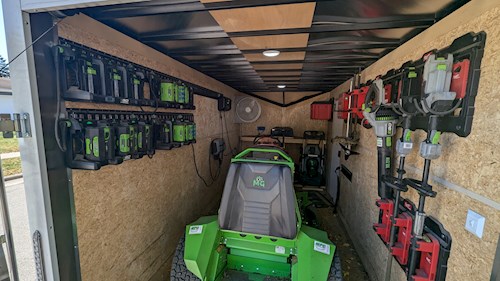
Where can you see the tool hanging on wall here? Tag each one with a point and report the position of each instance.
(383, 120)
(437, 100)
(435, 94)
(351, 138)
(404, 146)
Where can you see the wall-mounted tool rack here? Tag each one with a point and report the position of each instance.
(404, 87)
(94, 138)
(435, 94)
(89, 75)
(435, 250)
(467, 52)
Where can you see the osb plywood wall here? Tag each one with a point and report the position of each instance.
(468, 165)
(296, 116)
(130, 217)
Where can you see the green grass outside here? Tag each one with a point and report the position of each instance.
(10, 166)
(8, 145)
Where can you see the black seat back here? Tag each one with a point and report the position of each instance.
(259, 199)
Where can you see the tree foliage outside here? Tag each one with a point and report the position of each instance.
(4, 68)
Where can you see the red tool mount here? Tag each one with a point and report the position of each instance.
(401, 247)
(383, 228)
(357, 100)
(429, 258)
(343, 106)
(321, 110)
(459, 78)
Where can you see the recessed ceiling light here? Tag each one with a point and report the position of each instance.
(281, 86)
(271, 53)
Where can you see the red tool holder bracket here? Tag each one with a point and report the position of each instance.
(383, 228)
(343, 106)
(401, 248)
(321, 110)
(459, 78)
(429, 258)
(357, 100)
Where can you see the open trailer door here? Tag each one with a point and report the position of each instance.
(31, 243)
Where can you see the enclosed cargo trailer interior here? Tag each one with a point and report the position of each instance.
(183, 86)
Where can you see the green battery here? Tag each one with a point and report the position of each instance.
(189, 131)
(179, 132)
(181, 94)
(133, 139)
(176, 91)
(187, 93)
(167, 91)
(123, 140)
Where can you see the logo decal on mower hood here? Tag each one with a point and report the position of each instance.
(259, 182)
(196, 229)
(322, 247)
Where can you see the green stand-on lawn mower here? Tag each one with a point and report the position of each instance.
(258, 234)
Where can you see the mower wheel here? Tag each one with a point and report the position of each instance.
(336, 269)
(179, 271)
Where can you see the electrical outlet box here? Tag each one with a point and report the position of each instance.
(217, 148)
(475, 223)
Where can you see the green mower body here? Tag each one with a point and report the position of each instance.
(249, 236)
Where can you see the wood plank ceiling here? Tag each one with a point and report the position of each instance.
(321, 43)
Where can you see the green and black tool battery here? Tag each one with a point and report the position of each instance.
(164, 135)
(136, 86)
(194, 131)
(95, 147)
(116, 82)
(167, 91)
(179, 132)
(134, 149)
(187, 95)
(110, 142)
(189, 131)
(122, 139)
(181, 94)
(145, 138)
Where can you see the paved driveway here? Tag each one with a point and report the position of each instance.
(20, 229)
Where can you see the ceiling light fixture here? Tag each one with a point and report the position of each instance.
(281, 86)
(271, 53)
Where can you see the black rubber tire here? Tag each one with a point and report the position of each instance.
(336, 269)
(179, 271)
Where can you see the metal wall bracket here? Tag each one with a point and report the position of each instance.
(18, 124)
